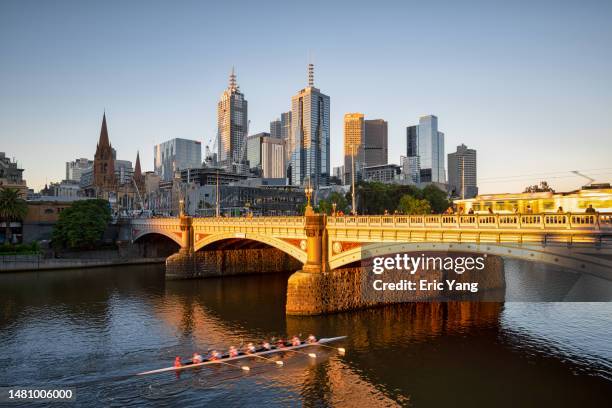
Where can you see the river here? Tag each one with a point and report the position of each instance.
(91, 329)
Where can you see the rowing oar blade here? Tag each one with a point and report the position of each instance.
(340, 350)
(243, 368)
(277, 362)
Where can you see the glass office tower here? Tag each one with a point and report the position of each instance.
(427, 143)
(309, 139)
(232, 125)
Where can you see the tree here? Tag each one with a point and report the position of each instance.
(82, 224)
(543, 187)
(12, 208)
(410, 205)
(437, 198)
(326, 205)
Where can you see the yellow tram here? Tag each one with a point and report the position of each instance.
(597, 195)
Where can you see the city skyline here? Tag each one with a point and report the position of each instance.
(528, 88)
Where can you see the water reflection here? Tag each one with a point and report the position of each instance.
(94, 327)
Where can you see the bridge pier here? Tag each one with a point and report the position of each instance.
(352, 288)
(183, 264)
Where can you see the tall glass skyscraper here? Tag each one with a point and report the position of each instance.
(309, 139)
(427, 143)
(232, 125)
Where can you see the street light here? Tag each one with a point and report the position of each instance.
(334, 209)
(354, 205)
(308, 191)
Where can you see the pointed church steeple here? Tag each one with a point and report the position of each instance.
(104, 141)
(138, 176)
(104, 179)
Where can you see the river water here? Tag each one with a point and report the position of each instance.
(92, 329)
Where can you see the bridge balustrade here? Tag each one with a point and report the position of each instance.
(482, 221)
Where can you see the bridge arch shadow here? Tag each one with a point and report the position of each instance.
(155, 244)
(233, 241)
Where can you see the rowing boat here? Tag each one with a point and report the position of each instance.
(244, 355)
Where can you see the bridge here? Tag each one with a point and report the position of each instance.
(322, 244)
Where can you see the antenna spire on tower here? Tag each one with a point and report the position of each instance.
(232, 79)
(310, 74)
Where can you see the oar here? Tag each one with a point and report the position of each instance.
(311, 355)
(243, 368)
(341, 350)
(277, 362)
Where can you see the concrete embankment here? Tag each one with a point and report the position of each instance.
(93, 259)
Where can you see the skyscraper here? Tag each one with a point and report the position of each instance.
(427, 143)
(232, 125)
(275, 129)
(462, 176)
(285, 125)
(176, 154)
(376, 142)
(309, 140)
(354, 152)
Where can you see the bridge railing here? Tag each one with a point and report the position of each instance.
(155, 221)
(243, 221)
(583, 221)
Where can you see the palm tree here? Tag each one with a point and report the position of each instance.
(12, 208)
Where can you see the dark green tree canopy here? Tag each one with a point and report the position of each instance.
(326, 205)
(82, 225)
(375, 198)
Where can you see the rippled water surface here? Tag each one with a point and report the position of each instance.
(92, 329)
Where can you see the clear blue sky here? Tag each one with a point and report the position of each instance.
(528, 84)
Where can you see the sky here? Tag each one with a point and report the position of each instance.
(527, 84)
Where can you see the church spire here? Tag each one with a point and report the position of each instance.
(104, 141)
(137, 170)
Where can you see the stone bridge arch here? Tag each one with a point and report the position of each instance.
(173, 235)
(290, 247)
(597, 264)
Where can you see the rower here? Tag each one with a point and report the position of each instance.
(197, 358)
(295, 341)
(266, 345)
(250, 348)
(311, 339)
(233, 351)
(280, 343)
(177, 362)
(214, 355)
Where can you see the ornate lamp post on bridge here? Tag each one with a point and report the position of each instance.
(308, 191)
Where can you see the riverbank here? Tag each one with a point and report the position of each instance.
(29, 263)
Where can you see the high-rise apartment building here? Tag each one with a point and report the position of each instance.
(427, 143)
(462, 176)
(367, 140)
(354, 152)
(232, 125)
(309, 141)
(176, 154)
